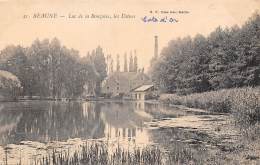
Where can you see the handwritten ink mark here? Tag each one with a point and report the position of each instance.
(154, 19)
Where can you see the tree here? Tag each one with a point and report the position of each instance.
(226, 58)
(117, 63)
(100, 65)
(135, 64)
(55, 67)
(131, 63)
(14, 60)
(10, 85)
(48, 69)
(125, 63)
(111, 66)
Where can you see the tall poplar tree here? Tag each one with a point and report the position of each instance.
(125, 63)
(117, 63)
(131, 63)
(135, 64)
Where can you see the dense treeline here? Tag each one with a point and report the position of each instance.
(227, 58)
(49, 69)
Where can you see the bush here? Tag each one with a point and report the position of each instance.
(243, 103)
(213, 101)
(246, 106)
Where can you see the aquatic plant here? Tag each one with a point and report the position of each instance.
(99, 154)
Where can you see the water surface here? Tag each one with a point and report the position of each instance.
(32, 128)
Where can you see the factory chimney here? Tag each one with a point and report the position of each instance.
(155, 47)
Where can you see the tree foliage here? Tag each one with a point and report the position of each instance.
(131, 63)
(135, 64)
(49, 69)
(227, 58)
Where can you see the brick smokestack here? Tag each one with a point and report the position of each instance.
(155, 47)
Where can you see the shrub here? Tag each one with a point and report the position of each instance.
(243, 103)
(246, 110)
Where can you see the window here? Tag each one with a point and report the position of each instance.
(117, 88)
(107, 88)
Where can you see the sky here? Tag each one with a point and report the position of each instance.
(117, 35)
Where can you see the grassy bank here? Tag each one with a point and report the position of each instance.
(243, 103)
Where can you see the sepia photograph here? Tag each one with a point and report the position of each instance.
(133, 82)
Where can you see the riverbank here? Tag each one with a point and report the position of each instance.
(180, 135)
(242, 105)
(39, 98)
(198, 137)
(102, 99)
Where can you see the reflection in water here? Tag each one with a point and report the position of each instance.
(44, 121)
(49, 121)
(37, 126)
(125, 121)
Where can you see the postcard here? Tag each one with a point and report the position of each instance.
(149, 82)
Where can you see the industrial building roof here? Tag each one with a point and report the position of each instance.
(143, 88)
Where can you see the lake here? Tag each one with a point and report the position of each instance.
(31, 129)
